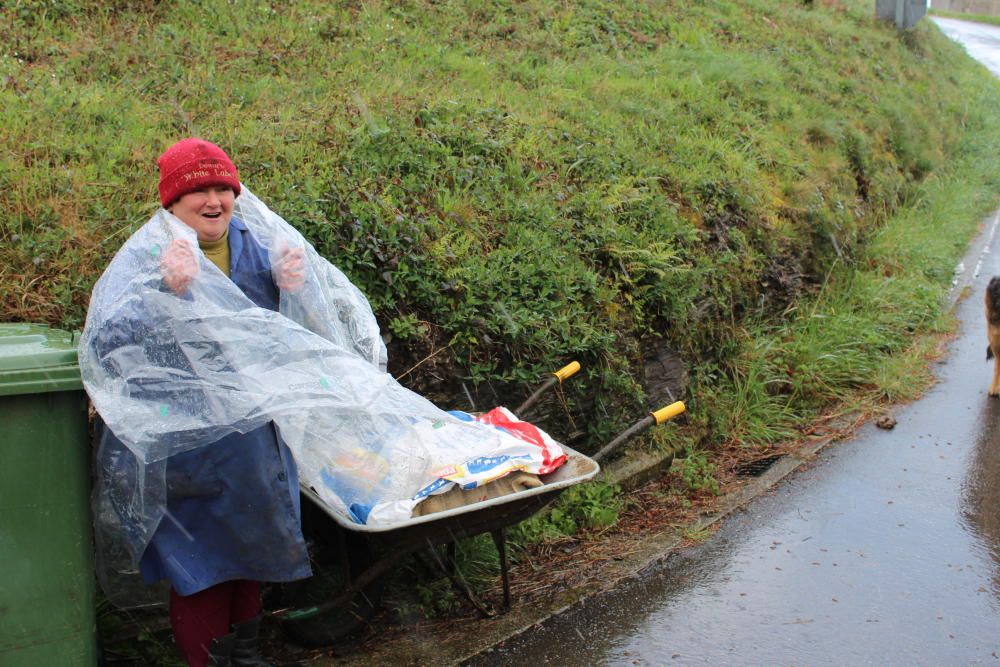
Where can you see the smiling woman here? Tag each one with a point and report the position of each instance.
(232, 502)
(198, 184)
(207, 211)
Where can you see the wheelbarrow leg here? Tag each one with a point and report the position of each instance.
(452, 561)
(500, 539)
(345, 558)
(458, 582)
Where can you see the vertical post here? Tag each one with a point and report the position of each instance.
(904, 13)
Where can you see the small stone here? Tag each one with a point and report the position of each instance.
(886, 422)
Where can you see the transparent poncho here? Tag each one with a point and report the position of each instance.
(211, 363)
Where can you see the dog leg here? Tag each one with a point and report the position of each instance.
(995, 387)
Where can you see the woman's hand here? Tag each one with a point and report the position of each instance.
(289, 270)
(179, 266)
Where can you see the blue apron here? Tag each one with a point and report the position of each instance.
(232, 508)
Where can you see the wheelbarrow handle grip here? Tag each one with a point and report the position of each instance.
(567, 371)
(563, 373)
(668, 412)
(652, 419)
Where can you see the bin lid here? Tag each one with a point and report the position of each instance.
(35, 359)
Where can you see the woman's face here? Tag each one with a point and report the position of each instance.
(206, 211)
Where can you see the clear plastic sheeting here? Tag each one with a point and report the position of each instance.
(170, 373)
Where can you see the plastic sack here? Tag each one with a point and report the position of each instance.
(520, 447)
(169, 374)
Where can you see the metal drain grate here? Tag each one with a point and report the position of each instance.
(758, 467)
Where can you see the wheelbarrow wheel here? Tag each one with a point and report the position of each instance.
(329, 581)
(331, 578)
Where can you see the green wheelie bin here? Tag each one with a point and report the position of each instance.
(47, 590)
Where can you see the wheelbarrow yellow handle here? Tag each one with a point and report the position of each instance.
(668, 412)
(567, 371)
(653, 418)
(559, 376)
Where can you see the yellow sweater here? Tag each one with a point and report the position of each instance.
(217, 252)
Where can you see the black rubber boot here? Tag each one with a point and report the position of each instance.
(220, 651)
(245, 649)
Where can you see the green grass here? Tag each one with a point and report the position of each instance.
(775, 190)
(863, 338)
(975, 18)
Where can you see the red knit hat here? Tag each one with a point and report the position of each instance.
(192, 164)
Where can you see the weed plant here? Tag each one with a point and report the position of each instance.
(594, 505)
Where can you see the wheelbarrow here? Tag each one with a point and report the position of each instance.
(333, 603)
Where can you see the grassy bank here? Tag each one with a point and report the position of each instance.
(515, 185)
(774, 192)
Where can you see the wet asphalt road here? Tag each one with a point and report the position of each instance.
(884, 551)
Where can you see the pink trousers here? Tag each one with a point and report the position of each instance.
(199, 618)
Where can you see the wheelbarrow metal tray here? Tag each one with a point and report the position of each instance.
(479, 517)
(385, 546)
